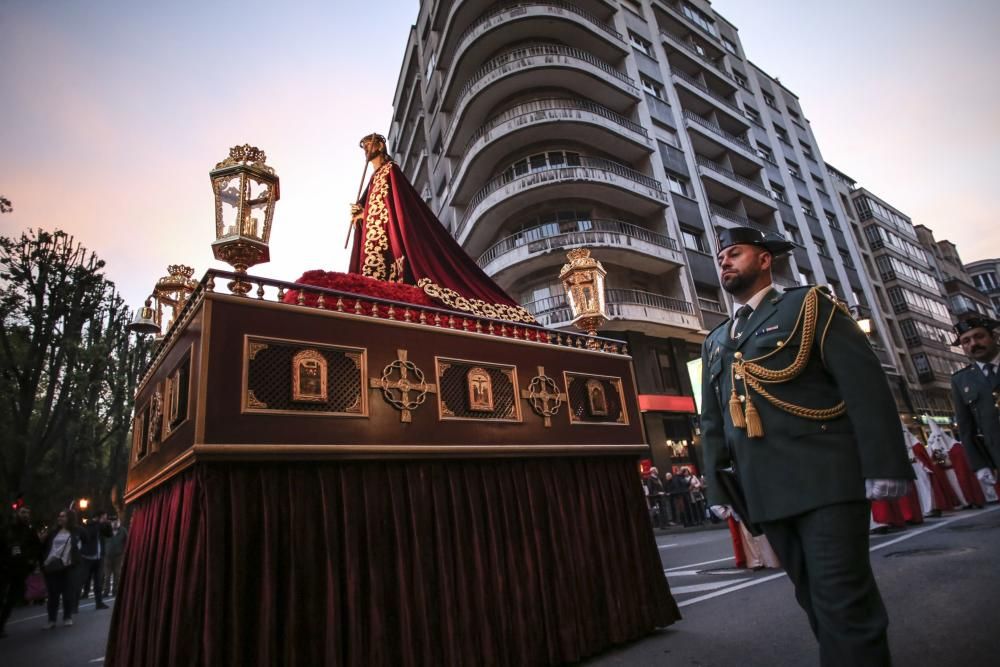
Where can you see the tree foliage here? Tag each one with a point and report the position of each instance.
(69, 368)
(5, 205)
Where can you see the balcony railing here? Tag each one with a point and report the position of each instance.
(702, 56)
(628, 173)
(633, 297)
(554, 309)
(565, 6)
(739, 141)
(596, 234)
(726, 214)
(684, 76)
(541, 50)
(711, 306)
(745, 182)
(555, 104)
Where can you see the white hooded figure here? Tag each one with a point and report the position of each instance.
(939, 441)
(923, 480)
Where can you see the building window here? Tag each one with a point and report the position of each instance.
(805, 277)
(654, 88)
(765, 153)
(769, 99)
(846, 259)
(699, 18)
(831, 219)
(782, 134)
(693, 240)
(807, 207)
(640, 43)
(752, 114)
(778, 193)
(741, 79)
(730, 46)
(793, 169)
(821, 247)
(794, 233)
(807, 151)
(986, 282)
(678, 186)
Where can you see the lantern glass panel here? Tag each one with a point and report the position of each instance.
(227, 190)
(258, 203)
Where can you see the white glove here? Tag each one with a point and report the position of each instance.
(883, 489)
(985, 476)
(722, 511)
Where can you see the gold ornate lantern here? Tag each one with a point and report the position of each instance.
(245, 192)
(583, 279)
(174, 289)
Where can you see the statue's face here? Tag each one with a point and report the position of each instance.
(373, 148)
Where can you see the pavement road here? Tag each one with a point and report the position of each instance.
(940, 582)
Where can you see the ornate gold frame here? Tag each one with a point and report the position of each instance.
(171, 392)
(616, 381)
(301, 358)
(249, 403)
(441, 364)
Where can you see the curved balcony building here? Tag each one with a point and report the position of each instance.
(636, 130)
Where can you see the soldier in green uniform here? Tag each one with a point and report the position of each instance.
(975, 392)
(796, 402)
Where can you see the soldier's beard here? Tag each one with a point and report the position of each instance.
(738, 283)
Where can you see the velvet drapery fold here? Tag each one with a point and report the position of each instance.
(486, 562)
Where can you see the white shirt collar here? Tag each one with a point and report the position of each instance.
(995, 362)
(755, 300)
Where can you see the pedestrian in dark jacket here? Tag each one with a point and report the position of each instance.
(61, 552)
(20, 550)
(91, 568)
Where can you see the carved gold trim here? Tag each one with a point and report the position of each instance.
(616, 382)
(170, 470)
(358, 355)
(376, 242)
(201, 412)
(253, 403)
(441, 364)
(481, 336)
(254, 348)
(494, 311)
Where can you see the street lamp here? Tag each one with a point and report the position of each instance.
(245, 192)
(583, 279)
(83, 503)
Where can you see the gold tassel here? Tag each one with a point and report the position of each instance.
(755, 429)
(736, 410)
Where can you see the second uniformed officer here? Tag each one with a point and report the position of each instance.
(795, 400)
(975, 391)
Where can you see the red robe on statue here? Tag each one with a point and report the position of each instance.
(401, 240)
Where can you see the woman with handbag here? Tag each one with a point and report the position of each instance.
(60, 551)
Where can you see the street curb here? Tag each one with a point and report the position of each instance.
(674, 530)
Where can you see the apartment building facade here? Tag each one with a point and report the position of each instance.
(985, 275)
(635, 128)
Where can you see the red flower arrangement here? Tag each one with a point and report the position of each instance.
(354, 283)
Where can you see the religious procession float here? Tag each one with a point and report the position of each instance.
(393, 466)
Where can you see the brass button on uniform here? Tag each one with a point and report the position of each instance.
(822, 427)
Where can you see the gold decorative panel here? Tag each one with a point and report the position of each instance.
(292, 377)
(595, 399)
(477, 391)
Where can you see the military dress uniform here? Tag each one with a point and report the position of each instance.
(803, 451)
(975, 395)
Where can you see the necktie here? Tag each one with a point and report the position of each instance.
(991, 375)
(742, 315)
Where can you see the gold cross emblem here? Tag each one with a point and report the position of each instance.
(541, 390)
(396, 385)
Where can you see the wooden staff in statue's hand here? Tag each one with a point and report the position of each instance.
(357, 210)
